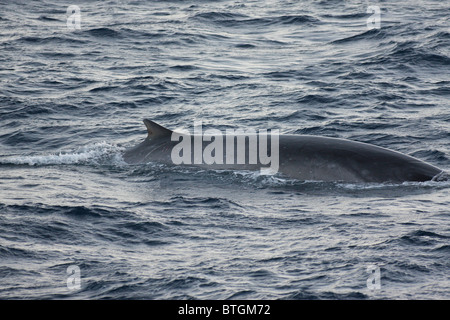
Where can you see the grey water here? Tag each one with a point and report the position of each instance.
(76, 84)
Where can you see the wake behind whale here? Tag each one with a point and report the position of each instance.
(301, 157)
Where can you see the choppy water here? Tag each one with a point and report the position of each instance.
(72, 101)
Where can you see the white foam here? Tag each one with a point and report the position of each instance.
(384, 185)
(93, 153)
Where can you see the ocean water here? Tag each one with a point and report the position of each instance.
(77, 222)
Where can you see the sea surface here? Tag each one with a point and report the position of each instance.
(77, 222)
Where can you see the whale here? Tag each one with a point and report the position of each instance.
(300, 157)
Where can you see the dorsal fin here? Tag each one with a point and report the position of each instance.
(155, 130)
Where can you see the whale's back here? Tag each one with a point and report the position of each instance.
(333, 159)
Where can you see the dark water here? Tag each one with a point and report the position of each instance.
(72, 101)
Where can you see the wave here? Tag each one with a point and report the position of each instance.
(103, 33)
(62, 39)
(47, 18)
(15, 253)
(240, 20)
(296, 19)
(345, 16)
(417, 54)
(220, 15)
(366, 35)
(420, 238)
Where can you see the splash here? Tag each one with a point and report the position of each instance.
(90, 154)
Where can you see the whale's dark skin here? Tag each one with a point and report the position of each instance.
(306, 157)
